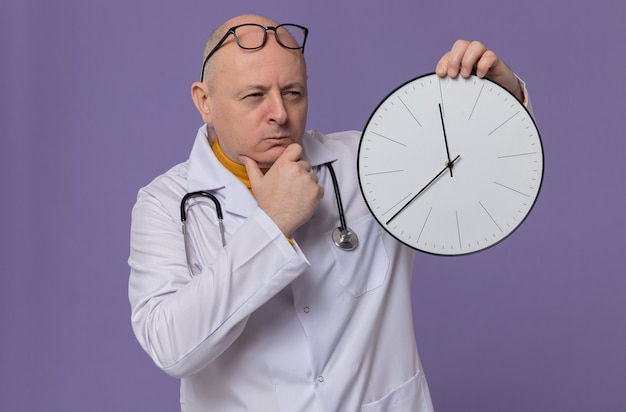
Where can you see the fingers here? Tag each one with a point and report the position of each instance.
(487, 61)
(464, 57)
(254, 172)
(292, 153)
(289, 191)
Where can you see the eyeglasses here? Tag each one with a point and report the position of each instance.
(251, 36)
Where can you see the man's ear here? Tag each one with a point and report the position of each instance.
(200, 97)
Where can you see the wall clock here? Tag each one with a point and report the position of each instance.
(450, 166)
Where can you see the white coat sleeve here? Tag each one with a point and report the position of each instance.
(526, 101)
(185, 323)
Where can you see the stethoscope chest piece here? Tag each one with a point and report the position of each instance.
(345, 239)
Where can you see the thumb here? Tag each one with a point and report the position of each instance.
(253, 170)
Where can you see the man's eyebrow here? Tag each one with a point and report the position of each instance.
(250, 88)
(254, 87)
(259, 86)
(293, 85)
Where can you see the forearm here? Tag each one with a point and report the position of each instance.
(184, 323)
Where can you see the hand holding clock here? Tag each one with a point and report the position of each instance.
(466, 57)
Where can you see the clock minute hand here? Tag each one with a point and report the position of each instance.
(445, 139)
(449, 165)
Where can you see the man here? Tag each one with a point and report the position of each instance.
(278, 318)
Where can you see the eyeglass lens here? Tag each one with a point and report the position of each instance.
(252, 36)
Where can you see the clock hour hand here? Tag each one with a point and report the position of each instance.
(445, 139)
(449, 165)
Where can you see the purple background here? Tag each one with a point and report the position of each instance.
(95, 102)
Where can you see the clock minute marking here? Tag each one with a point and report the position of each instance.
(511, 189)
(517, 155)
(502, 124)
(458, 229)
(388, 138)
(476, 102)
(409, 110)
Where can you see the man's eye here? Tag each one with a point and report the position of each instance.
(254, 95)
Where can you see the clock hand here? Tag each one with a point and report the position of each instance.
(449, 165)
(445, 139)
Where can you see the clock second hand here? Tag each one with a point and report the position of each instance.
(449, 165)
(445, 138)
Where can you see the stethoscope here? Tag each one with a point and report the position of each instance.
(343, 237)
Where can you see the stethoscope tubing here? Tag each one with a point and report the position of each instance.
(343, 237)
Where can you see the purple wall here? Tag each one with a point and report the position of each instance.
(94, 103)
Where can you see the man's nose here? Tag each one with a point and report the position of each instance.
(277, 109)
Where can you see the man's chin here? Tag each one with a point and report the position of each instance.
(267, 159)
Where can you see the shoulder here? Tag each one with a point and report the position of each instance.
(348, 137)
(166, 190)
(174, 179)
(341, 144)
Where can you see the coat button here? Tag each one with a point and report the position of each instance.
(306, 309)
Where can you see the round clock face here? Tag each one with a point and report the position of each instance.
(450, 166)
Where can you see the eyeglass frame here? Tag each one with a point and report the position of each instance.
(265, 29)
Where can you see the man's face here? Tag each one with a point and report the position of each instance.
(258, 100)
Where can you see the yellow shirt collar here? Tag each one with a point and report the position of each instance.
(237, 169)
